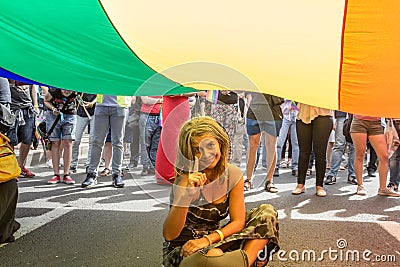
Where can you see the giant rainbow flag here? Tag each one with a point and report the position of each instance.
(338, 54)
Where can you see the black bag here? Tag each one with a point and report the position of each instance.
(7, 119)
(346, 128)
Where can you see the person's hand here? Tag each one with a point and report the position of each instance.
(193, 245)
(56, 112)
(196, 178)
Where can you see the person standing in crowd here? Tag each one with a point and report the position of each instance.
(313, 125)
(363, 128)
(111, 111)
(25, 106)
(84, 118)
(226, 112)
(206, 190)
(132, 134)
(175, 112)
(150, 131)
(289, 111)
(61, 112)
(264, 115)
(394, 163)
(338, 152)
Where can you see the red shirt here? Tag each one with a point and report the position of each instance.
(153, 109)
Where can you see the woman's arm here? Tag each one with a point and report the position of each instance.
(184, 192)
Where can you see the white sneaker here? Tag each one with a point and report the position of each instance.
(388, 192)
(361, 190)
(49, 164)
(61, 162)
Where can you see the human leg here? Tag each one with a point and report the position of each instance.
(322, 127)
(117, 124)
(8, 204)
(81, 123)
(360, 144)
(378, 142)
(304, 136)
(100, 130)
(282, 138)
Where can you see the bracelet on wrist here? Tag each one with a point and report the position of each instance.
(208, 239)
(221, 235)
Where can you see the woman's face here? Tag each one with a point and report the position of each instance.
(206, 148)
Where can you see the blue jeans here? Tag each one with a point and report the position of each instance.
(150, 132)
(106, 117)
(286, 125)
(81, 124)
(338, 151)
(394, 162)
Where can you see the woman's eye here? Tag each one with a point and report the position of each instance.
(211, 145)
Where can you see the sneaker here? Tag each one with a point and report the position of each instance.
(73, 169)
(90, 180)
(56, 179)
(388, 192)
(330, 180)
(294, 173)
(352, 180)
(61, 162)
(361, 190)
(67, 179)
(117, 181)
(49, 164)
(371, 173)
(309, 172)
(276, 172)
(25, 173)
(394, 187)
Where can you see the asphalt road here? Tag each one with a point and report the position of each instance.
(102, 226)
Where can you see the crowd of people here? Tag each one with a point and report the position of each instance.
(193, 142)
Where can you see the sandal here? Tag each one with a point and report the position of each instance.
(270, 187)
(247, 185)
(105, 172)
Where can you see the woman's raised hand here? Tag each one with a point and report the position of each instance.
(196, 178)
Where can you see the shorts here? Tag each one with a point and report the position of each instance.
(65, 128)
(23, 133)
(254, 127)
(365, 126)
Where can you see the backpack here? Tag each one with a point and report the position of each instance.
(9, 168)
(7, 119)
(346, 128)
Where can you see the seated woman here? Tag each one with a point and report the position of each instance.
(207, 189)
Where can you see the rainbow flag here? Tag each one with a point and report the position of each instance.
(212, 96)
(294, 106)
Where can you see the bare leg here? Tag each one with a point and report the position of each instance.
(254, 141)
(360, 144)
(67, 144)
(378, 142)
(252, 247)
(270, 143)
(55, 155)
(107, 152)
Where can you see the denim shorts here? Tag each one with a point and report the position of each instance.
(23, 133)
(254, 127)
(65, 128)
